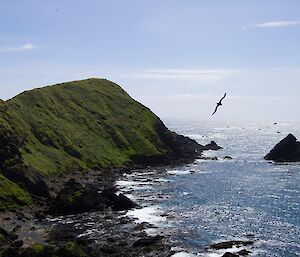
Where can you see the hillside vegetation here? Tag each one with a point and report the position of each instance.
(83, 124)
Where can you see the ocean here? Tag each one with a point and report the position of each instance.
(211, 201)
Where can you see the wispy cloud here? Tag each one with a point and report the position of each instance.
(203, 75)
(25, 47)
(277, 24)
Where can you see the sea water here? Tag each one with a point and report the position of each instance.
(246, 198)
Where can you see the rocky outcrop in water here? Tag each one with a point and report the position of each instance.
(212, 146)
(287, 150)
(230, 244)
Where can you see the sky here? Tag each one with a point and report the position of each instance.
(176, 57)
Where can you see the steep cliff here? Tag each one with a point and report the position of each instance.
(83, 124)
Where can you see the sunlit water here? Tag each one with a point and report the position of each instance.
(244, 198)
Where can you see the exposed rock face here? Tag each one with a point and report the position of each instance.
(13, 167)
(28, 179)
(148, 241)
(287, 150)
(178, 147)
(76, 198)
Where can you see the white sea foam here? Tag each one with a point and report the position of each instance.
(150, 214)
(178, 172)
(124, 183)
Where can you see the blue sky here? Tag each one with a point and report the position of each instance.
(177, 57)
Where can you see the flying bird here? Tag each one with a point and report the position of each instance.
(218, 104)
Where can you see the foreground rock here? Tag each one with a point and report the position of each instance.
(287, 150)
(69, 249)
(76, 198)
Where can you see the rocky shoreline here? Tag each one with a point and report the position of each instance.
(108, 231)
(40, 231)
(83, 214)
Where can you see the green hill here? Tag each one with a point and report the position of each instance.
(84, 124)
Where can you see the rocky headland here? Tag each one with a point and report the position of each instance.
(61, 149)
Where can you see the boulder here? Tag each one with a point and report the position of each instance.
(17, 243)
(148, 241)
(287, 150)
(243, 252)
(119, 201)
(212, 146)
(77, 198)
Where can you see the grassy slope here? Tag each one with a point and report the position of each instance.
(11, 195)
(90, 123)
(84, 124)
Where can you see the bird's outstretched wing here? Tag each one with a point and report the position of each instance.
(215, 109)
(223, 97)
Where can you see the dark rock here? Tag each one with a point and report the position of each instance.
(122, 202)
(230, 244)
(76, 198)
(180, 148)
(208, 158)
(228, 254)
(243, 252)
(108, 250)
(17, 243)
(228, 157)
(13, 167)
(148, 241)
(40, 215)
(250, 235)
(10, 252)
(16, 229)
(13, 236)
(7, 235)
(287, 150)
(27, 178)
(3, 232)
(117, 202)
(212, 146)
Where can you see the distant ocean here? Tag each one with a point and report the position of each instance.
(246, 198)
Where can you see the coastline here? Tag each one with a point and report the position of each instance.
(106, 232)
